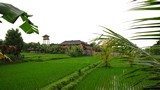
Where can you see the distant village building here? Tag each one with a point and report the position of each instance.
(46, 39)
(87, 49)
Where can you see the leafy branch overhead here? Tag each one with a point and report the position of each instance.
(152, 24)
(11, 14)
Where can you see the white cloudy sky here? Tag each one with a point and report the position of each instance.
(74, 19)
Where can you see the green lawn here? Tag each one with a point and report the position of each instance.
(34, 75)
(112, 78)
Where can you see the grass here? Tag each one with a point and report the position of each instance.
(70, 81)
(112, 78)
(34, 75)
(42, 56)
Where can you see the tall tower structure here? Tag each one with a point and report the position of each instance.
(46, 39)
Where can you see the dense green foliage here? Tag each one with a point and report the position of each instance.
(42, 56)
(1, 42)
(75, 51)
(155, 49)
(30, 46)
(34, 75)
(13, 37)
(43, 48)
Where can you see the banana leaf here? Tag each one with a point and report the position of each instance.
(11, 14)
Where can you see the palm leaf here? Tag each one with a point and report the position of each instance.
(149, 8)
(148, 35)
(153, 87)
(147, 19)
(153, 65)
(147, 5)
(153, 31)
(142, 27)
(154, 78)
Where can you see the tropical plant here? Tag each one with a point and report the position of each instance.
(75, 51)
(11, 14)
(114, 42)
(108, 48)
(106, 54)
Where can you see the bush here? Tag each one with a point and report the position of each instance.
(75, 51)
(154, 50)
(15, 58)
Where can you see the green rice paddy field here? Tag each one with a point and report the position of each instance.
(43, 69)
(43, 56)
(34, 75)
(114, 78)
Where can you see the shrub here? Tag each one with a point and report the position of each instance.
(154, 50)
(75, 51)
(15, 58)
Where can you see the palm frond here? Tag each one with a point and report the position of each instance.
(153, 31)
(148, 8)
(153, 87)
(145, 6)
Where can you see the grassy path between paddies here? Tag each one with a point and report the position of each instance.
(69, 82)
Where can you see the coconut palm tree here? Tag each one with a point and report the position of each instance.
(112, 41)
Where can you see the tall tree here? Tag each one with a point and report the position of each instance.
(13, 37)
